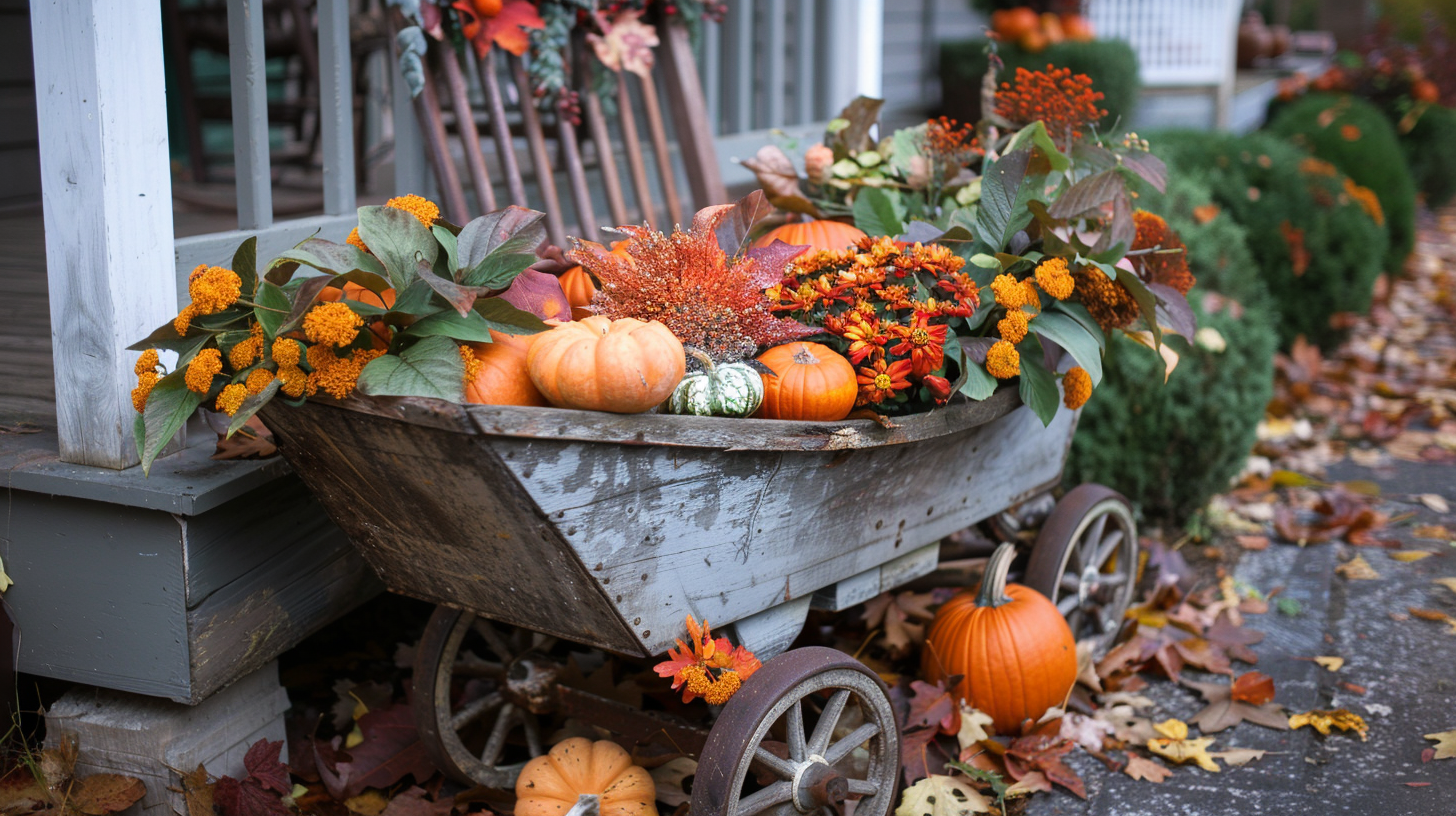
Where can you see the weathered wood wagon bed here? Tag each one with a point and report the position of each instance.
(608, 530)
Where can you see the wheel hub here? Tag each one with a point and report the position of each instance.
(1087, 584)
(531, 683)
(817, 785)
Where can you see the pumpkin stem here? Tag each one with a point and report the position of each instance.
(993, 582)
(803, 356)
(701, 356)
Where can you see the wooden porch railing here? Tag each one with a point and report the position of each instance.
(114, 268)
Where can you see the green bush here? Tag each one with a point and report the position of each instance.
(1171, 446)
(1316, 249)
(1430, 150)
(1111, 64)
(1356, 137)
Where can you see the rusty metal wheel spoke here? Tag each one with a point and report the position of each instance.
(473, 710)
(496, 742)
(1085, 560)
(828, 720)
(808, 781)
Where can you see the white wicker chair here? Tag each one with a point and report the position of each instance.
(1179, 43)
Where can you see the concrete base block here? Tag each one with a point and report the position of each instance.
(156, 740)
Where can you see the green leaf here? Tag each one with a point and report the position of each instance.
(905, 144)
(329, 257)
(1037, 385)
(303, 300)
(1079, 313)
(251, 404)
(1036, 134)
(399, 240)
(978, 385)
(429, 368)
(467, 328)
(1074, 338)
(169, 405)
(1088, 194)
(245, 264)
(271, 297)
(451, 244)
(507, 319)
(1147, 302)
(875, 212)
(166, 337)
(498, 269)
(1005, 192)
(523, 229)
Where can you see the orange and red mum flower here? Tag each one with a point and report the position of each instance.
(924, 343)
(880, 382)
(710, 668)
(1064, 102)
(867, 338)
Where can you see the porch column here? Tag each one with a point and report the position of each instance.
(854, 64)
(107, 197)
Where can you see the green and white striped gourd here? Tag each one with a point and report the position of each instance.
(726, 390)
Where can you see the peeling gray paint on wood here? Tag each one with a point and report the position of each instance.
(250, 113)
(336, 107)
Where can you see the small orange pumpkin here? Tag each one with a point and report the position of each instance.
(502, 378)
(1010, 643)
(813, 383)
(818, 234)
(579, 289)
(599, 364)
(550, 784)
(1014, 23)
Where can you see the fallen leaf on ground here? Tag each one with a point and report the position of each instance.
(1436, 502)
(1146, 770)
(1087, 664)
(939, 795)
(1445, 744)
(1254, 688)
(1085, 731)
(197, 791)
(1175, 745)
(669, 777)
(1407, 556)
(1434, 615)
(1449, 583)
(973, 727)
(1322, 721)
(902, 616)
(412, 802)
(1033, 782)
(1239, 757)
(246, 798)
(390, 751)
(1223, 711)
(1253, 542)
(932, 711)
(1357, 569)
(369, 803)
(105, 793)
(1433, 532)
(1334, 664)
(1042, 752)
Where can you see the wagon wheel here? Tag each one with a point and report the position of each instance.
(788, 742)
(1086, 559)
(481, 690)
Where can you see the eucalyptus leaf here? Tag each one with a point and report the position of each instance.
(169, 405)
(430, 368)
(1037, 385)
(399, 241)
(1079, 313)
(1074, 338)
(331, 258)
(499, 269)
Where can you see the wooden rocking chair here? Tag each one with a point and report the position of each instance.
(502, 75)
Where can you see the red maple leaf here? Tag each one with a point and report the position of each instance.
(262, 762)
(391, 750)
(506, 29)
(246, 798)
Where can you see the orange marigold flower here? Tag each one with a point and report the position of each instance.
(146, 362)
(258, 380)
(146, 381)
(1111, 305)
(206, 365)
(1064, 102)
(1054, 278)
(286, 351)
(1003, 361)
(1010, 294)
(244, 353)
(213, 289)
(295, 380)
(1077, 387)
(1013, 326)
(722, 688)
(319, 357)
(355, 240)
(880, 381)
(1166, 268)
(418, 206)
(1033, 298)
(183, 322)
(332, 323)
(231, 398)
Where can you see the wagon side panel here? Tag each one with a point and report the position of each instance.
(726, 534)
(441, 518)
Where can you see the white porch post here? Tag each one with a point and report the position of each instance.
(855, 70)
(107, 197)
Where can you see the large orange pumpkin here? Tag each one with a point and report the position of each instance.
(1077, 29)
(550, 784)
(811, 382)
(1010, 643)
(1014, 23)
(599, 364)
(818, 234)
(502, 378)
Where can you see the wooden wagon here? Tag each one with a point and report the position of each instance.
(534, 527)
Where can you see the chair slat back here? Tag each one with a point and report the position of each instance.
(585, 160)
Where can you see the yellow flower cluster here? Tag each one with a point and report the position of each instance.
(1054, 278)
(206, 365)
(231, 398)
(258, 380)
(1109, 302)
(1002, 360)
(212, 289)
(1077, 387)
(286, 352)
(1010, 294)
(715, 692)
(355, 240)
(332, 323)
(147, 377)
(1033, 299)
(1013, 326)
(472, 365)
(246, 352)
(295, 380)
(418, 206)
(337, 376)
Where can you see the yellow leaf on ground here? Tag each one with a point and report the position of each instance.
(973, 726)
(1239, 757)
(369, 803)
(1322, 721)
(1147, 770)
(1033, 782)
(1449, 583)
(1445, 744)
(938, 795)
(1435, 502)
(1434, 615)
(1407, 556)
(1357, 569)
(1332, 663)
(1176, 746)
(1433, 532)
